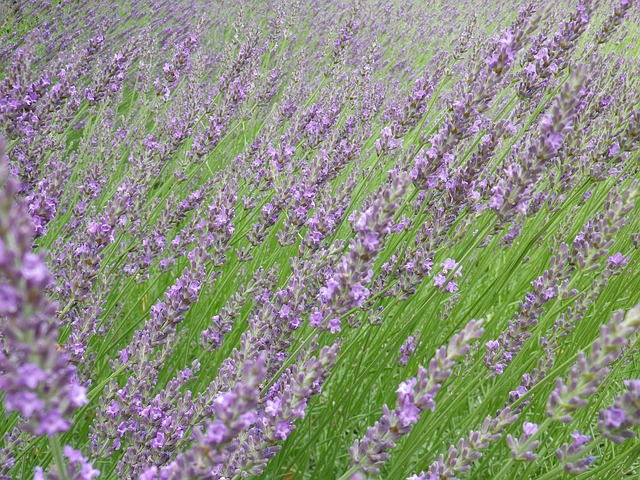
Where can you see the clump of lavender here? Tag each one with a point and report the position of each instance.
(12, 441)
(414, 396)
(173, 70)
(589, 371)
(84, 273)
(450, 269)
(44, 199)
(587, 248)
(614, 20)
(234, 411)
(549, 56)
(501, 352)
(408, 348)
(474, 97)
(615, 423)
(123, 123)
(571, 454)
(37, 380)
(522, 448)
(79, 468)
(286, 402)
(461, 457)
(346, 286)
(514, 191)
(387, 142)
(222, 323)
(144, 357)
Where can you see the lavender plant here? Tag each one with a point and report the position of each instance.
(246, 241)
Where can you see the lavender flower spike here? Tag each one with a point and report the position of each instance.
(522, 448)
(590, 370)
(79, 468)
(414, 396)
(461, 457)
(37, 379)
(345, 287)
(408, 348)
(615, 422)
(570, 455)
(286, 402)
(235, 411)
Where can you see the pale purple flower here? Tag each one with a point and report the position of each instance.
(579, 439)
(529, 428)
(618, 260)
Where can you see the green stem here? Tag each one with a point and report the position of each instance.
(56, 449)
(347, 475)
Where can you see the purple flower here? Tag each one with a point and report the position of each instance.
(448, 265)
(439, 280)
(589, 371)
(36, 378)
(283, 429)
(522, 448)
(618, 260)
(31, 375)
(613, 418)
(345, 286)
(35, 271)
(149, 474)
(334, 325)
(529, 428)
(579, 439)
(407, 349)
(9, 300)
(616, 422)
(80, 466)
(52, 423)
(158, 441)
(451, 287)
(315, 319)
(414, 396)
(27, 403)
(554, 140)
(290, 396)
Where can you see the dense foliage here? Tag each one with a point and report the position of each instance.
(371, 239)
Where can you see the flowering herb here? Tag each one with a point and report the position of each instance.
(246, 241)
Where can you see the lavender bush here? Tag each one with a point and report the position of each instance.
(319, 240)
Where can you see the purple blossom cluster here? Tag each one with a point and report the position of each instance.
(79, 468)
(345, 286)
(408, 348)
(414, 397)
(461, 457)
(616, 422)
(590, 370)
(37, 379)
(571, 455)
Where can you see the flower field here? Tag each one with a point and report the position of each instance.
(319, 240)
